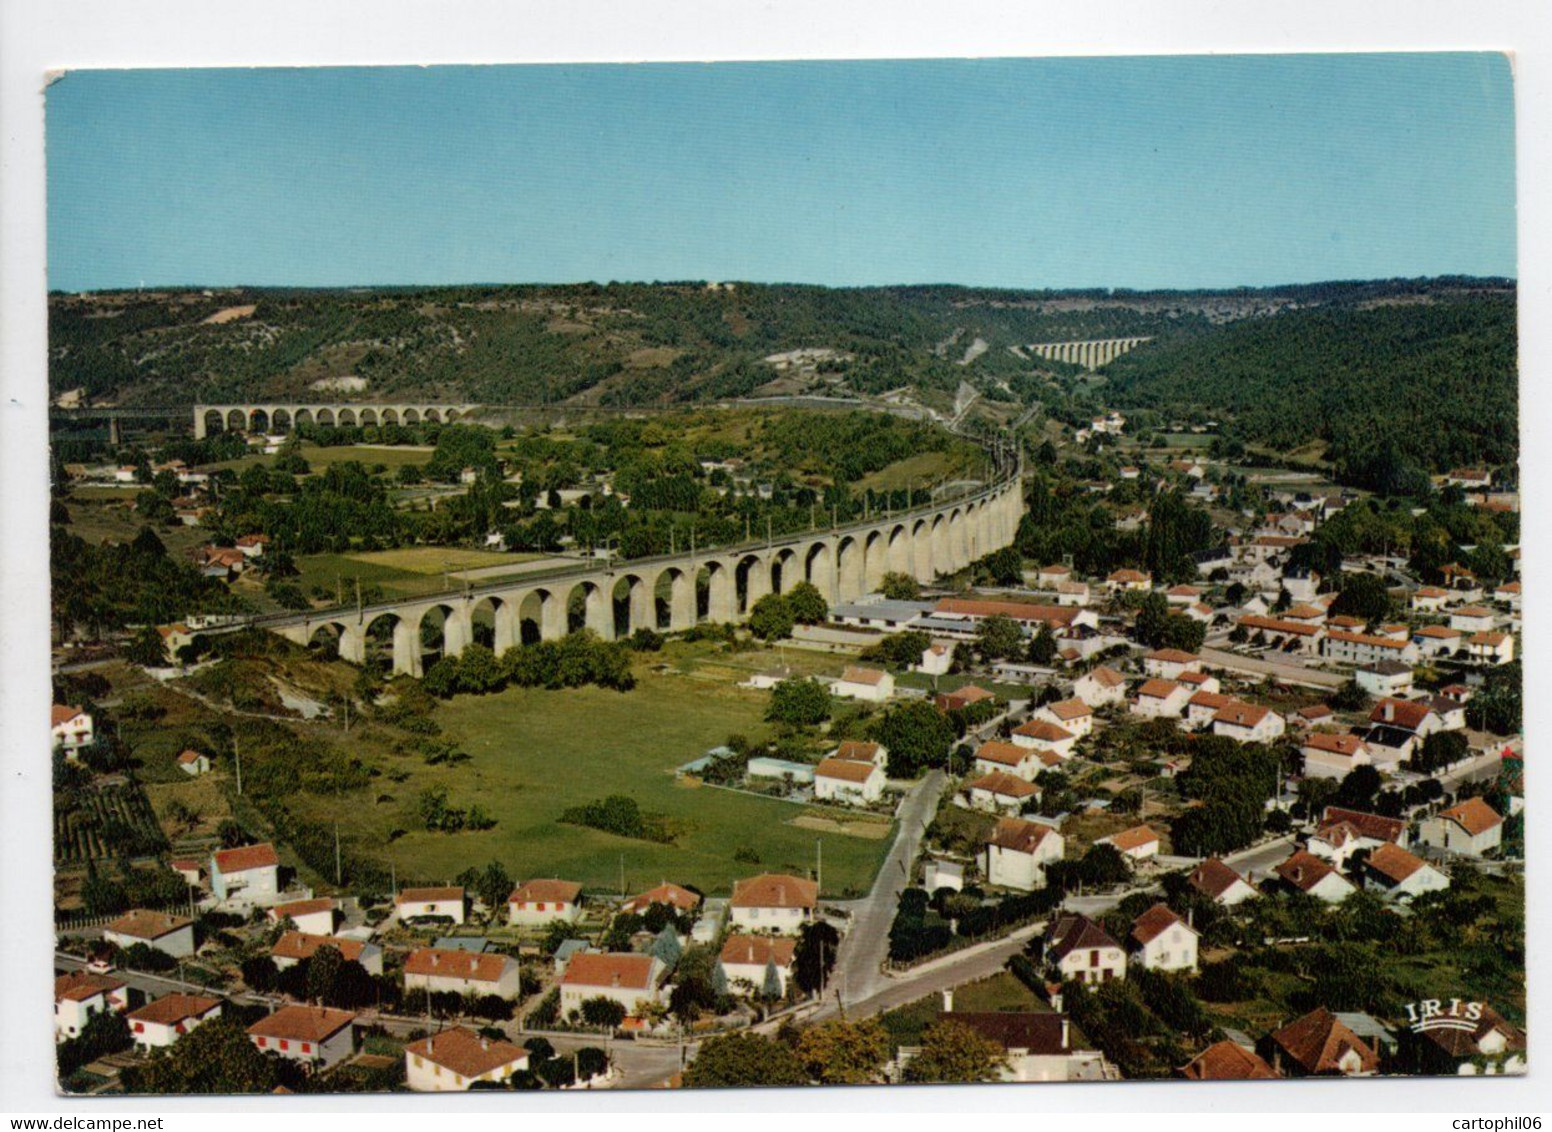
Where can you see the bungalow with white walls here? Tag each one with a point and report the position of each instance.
(1304, 872)
(1021, 761)
(317, 1036)
(163, 1021)
(773, 902)
(1471, 828)
(539, 903)
(171, 935)
(1397, 874)
(871, 685)
(440, 902)
(634, 981)
(249, 874)
(999, 793)
(1135, 844)
(295, 947)
(1161, 699)
(1168, 664)
(80, 995)
(453, 1060)
(1216, 880)
(849, 782)
(1074, 715)
(749, 961)
(449, 970)
(1162, 941)
(1248, 723)
(1100, 687)
(1332, 756)
(315, 917)
(1017, 851)
(1044, 736)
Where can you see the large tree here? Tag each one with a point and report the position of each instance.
(953, 1053)
(799, 703)
(814, 957)
(917, 736)
(734, 1060)
(845, 1053)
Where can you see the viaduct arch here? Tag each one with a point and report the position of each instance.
(281, 417)
(616, 599)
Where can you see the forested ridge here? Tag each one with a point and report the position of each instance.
(1434, 380)
(1428, 364)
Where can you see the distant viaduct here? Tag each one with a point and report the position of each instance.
(283, 417)
(670, 592)
(1089, 355)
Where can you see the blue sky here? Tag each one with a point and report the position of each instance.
(1124, 172)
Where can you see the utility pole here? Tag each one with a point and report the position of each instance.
(339, 877)
(237, 753)
(358, 599)
(819, 865)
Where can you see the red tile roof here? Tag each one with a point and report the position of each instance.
(1008, 785)
(1278, 625)
(1053, 615)
(1172, 656)
(758, 950)
(435, 895)
(1304, 870)
(1319, 1040)
(1134, 838)
(1405, 714)
(845, 770)
(1073, 931)
(1158, 689)
(1241, 714)
(1154, 922)
(857, 675)
(1004, 754)
(1214, 877)
(1373, 826)
(171, 1009)
(1107, 677)
(1225, 1061)
(1473, 815)
(608, 969)
(1393, 862)
(466, 1053)
(1044, 731)
(561, 891)
(302, 1023)
(775, 890)
(1069, 709)
(1348, 745)
(78, 986)
(672, 895)
(455, 963)
(857, 750)
(296, 908)
(246, 857)
(63, 713)
(1018, 835)
(302, 945)
(142, 923)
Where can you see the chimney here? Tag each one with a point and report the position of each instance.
(435, 958)
(948, 1001)
(484, 1043)
(1390, 711)
(614, 980)
(1066, 1032)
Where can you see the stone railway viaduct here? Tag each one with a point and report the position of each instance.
(284, 416)
(1089, 355)
(664, 593)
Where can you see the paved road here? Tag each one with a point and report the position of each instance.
(1260, 858)
(859, 964)
(1287, 671)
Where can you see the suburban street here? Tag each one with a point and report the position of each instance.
(1290, 672)
(858, 966)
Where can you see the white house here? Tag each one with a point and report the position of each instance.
(1218, 881)
(995, 756)
(1000, 792)
(1471, 828)
(936, 660)
(1168, 664)
(248, 875)
(1135, 844)
(454, 1059)
(1162, 941)
(1248, 723)
(1332, 756)
(1400, 875)
(773, 902)
(315, 917)
(749, 960)
(163, 1021)
(1491, 648)
(1366, 648)
(1042, 735)
(318, 1036)
(1161, 699)
(194, 763)
(1083, 950)
(869, 684)
(1100, 687)
(1428, 599)
(71, 729)
(442, 902)
(1310, 875)
(1202, 708)
(1473, 619)
(1036, 1046)
(172, 935)
(1017, 851)
(632, 980)
(479, 973)
(540, 903)
(1436, 640)
(79, 995)
(1073, 715)
(1384, 677)
(853, 783)
(293, 947)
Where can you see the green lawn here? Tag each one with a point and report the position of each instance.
(392, 456)
(534, 753)
(998, 992)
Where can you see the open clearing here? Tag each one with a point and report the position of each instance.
(534, 753)
(437, 559)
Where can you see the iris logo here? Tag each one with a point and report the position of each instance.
(1436, 1014)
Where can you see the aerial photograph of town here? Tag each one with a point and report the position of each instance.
(668, 577)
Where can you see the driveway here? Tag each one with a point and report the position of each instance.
(859, 964)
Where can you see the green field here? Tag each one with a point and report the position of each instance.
(389, 455)
(534, 753)
(993, 994)
(401, 573)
